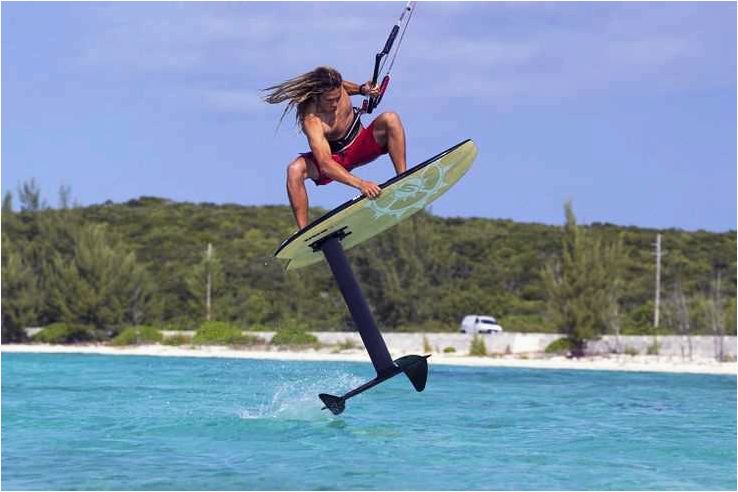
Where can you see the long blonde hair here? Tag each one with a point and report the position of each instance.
(302, 89)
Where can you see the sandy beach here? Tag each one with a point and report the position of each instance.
(639, 363)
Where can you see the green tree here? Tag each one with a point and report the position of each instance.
(426, 272)
(29, 195)
(395, 264)
(65, 197)
(260, 309)
(7, 203)
(20, 293)
(584, 286)
(101, 284)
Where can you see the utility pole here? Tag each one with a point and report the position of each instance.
(658, 282)
(210, 283)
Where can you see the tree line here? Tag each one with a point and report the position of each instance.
(146, 261)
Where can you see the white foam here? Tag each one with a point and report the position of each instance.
(298, 399)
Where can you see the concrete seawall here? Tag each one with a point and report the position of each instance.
(702, 347)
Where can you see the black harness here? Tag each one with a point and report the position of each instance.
(342, 143)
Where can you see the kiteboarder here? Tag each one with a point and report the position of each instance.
(337, 138)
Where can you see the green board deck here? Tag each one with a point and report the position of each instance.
(362, 218)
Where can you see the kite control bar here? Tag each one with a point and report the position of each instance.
(374, 101)
(371, 103)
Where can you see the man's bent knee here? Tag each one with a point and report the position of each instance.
(387, 126)
(297, 170)
(301, 169)
(391, 119)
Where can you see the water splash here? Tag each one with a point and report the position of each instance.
(297, 399)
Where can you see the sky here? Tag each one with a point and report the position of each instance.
(626, 109)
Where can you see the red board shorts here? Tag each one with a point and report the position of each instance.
(362, 150)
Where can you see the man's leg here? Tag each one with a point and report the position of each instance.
(390, 135)
(297, 172)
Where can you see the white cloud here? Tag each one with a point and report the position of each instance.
(495, 53)
(564, 51)
(175, 37)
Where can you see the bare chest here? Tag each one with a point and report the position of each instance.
(337, 124)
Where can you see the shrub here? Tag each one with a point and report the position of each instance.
(293, 332)
(64, 333)
(177, 340)
(347, 344)
(293, 337)
(478, 348)
(246, 340)
(559, 346)
(449, 350)
(220, 333)
(135, 335)
(631, 351)
(653, 349)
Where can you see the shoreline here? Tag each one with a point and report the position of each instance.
(639, 363)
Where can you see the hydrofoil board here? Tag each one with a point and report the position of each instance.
(361, 218)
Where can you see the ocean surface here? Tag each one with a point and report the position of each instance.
(156, 423)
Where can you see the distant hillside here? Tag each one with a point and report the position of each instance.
(425, 273)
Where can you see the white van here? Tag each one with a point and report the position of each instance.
(475, 323)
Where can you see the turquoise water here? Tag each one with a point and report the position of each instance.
(119, 422)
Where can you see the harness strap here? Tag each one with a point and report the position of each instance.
(342, 143)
